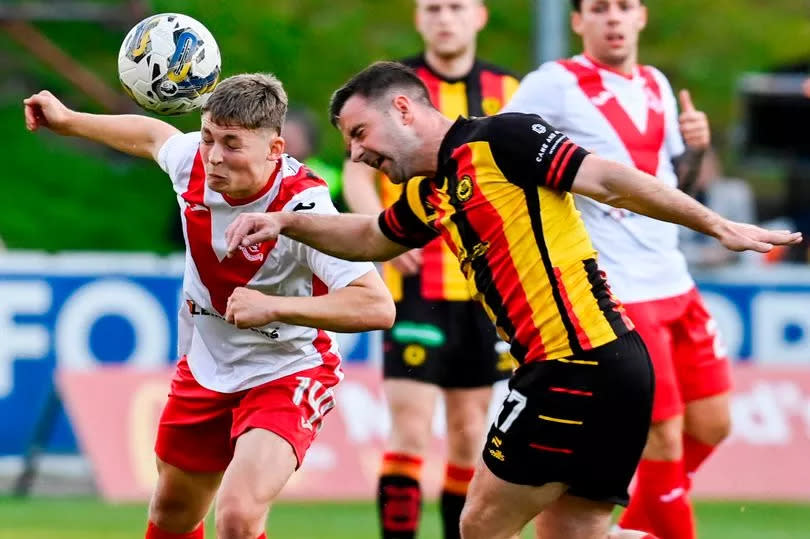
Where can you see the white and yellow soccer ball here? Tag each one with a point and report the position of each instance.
(169, 63)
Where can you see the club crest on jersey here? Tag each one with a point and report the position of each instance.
(603, 97)
(464, 189)
(540, 129)
(252, 252)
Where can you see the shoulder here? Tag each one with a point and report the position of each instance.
(301, 189)
(413, 61)
(496, 70)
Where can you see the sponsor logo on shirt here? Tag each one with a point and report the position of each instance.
(196, 310)
(301, 206)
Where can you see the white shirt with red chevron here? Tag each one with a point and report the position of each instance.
(221, 357)
(633, 120)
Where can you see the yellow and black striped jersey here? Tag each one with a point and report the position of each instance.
(483, 91)
(500, 200)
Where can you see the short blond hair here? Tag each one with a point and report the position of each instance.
(249, 100)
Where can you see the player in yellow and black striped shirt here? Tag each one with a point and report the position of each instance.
(442, 343)
(571, 431)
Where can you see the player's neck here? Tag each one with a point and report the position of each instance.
(625, 66)
(451, 67)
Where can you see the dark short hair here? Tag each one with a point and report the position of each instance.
(375, 81)
(576, 5)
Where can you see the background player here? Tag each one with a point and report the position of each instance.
(442, 341)
(494, 189)
(609, 103)
(256, 374)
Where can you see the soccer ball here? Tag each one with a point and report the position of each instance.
(169, 63)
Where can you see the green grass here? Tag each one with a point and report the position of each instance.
(85, 518)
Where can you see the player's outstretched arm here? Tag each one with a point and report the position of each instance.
(626, 187)
(360, 193)
(136, 135)
(365, 304)
(348, 236)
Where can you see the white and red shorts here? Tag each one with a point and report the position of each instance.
(199, 427)
(687, 352)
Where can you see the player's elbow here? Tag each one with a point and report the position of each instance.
(381, 312)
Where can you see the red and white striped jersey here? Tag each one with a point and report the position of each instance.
(222, 357)
(632, 120)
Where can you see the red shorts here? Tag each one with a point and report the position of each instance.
(687, 353)
(199, 427)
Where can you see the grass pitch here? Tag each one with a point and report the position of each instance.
(89, 518)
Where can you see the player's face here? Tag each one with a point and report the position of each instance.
(610, 29)
(449, 27)
(238, 161)
(378, 137)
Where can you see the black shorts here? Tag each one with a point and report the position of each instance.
(451, 344)
(582, 421)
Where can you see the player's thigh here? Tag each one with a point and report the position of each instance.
(701, 359)
(650, 321)
(262, 464)
(181, 499)
(573, 517)
(411, 404)
(708, 419)
(497, 509)
(466, 412)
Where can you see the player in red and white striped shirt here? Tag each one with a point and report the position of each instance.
(257, 365)
(609, 103)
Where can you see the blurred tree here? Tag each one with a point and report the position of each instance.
(59, 194)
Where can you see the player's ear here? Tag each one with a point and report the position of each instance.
(642, 17)
(483, 16)
(276, 148)
(576, 22)
(404, 107)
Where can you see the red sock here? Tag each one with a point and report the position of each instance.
(661, 485)
(153, 532)
(695, 453)
(262, 536)
(635, 517)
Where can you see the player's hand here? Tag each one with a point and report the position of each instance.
(745, 237)
(409, 262)
(248, 309)
(251, 228)
(45, 110)
(693, 123)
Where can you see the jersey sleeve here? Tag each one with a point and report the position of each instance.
(531, 152)
(334, 272)
(176, 157)
(540, 93)
(405, 222)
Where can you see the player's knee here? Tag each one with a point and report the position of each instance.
(665, 441)
(172, 512)
(471, 523)
(237, 519)
(713, 431)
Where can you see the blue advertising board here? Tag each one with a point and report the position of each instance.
(76, 311)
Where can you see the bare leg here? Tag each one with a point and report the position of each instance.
(181, 499)
(261, 465)
(497, 509)
(573, 517)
